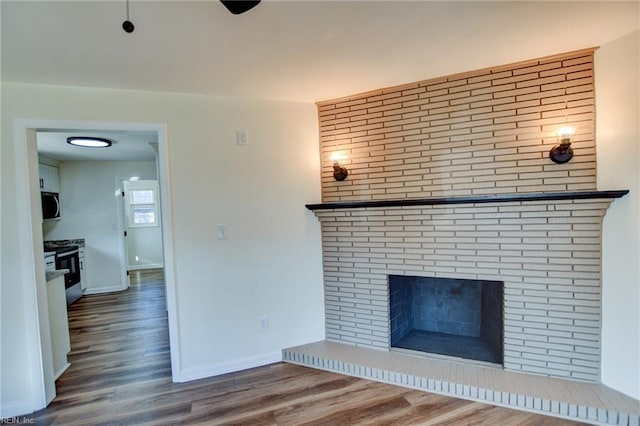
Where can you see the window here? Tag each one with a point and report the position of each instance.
(143, 215)
(141, 196)
(143, 209)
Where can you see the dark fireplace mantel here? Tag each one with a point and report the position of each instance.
(475, 199)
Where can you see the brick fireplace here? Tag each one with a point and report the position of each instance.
(546, 253)
(473, 147)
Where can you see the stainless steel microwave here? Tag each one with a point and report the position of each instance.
(50, 205)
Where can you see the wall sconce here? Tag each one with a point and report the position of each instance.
(339, 173)
(562, 152)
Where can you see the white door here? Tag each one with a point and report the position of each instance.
(142, 225)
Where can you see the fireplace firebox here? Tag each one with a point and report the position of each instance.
(455, 317)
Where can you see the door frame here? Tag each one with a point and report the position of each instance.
(31, 250)
(123, 226)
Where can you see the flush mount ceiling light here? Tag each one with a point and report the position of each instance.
(89, 142)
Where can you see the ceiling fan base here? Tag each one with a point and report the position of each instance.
(239, 6)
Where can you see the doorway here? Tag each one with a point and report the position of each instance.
(142, 224)
(28, 200)
(88, 181)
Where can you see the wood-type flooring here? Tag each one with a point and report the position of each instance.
(120, 374)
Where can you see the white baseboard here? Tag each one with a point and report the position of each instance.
(150, 266)
(195, 373)
(62, 370)
(99, 290)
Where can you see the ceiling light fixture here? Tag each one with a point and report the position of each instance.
(89, 142)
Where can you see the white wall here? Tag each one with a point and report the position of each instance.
(269, 266)
(618, 152)
(90, 210)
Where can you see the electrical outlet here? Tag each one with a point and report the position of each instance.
(263, 323)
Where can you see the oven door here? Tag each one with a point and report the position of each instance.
(69, 260)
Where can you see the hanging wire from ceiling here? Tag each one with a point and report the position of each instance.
(236, 7)
(127, 25)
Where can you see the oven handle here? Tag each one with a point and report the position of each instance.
(57, 207)
(67, 253)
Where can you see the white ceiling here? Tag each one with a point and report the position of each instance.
(302, 51)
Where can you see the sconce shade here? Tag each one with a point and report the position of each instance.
(562, 152)
(564, 134)
(339, 173)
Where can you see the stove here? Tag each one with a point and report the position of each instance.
(67, 257)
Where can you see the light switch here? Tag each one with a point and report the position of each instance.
(221, 232)
(263, 323)
(242, 138)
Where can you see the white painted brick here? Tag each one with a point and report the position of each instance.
(528, 245)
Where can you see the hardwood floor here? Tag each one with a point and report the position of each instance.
(120, 375)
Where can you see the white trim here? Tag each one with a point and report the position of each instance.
(230, 366)
(62, 370)
(102, 290)
(164, 180)
(35, 306)
(31, 253)
(149, 266)
(121, 224)
(122, 249)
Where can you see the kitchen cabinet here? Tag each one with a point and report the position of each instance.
(59, 324)
(49, 178)
(49, 261)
